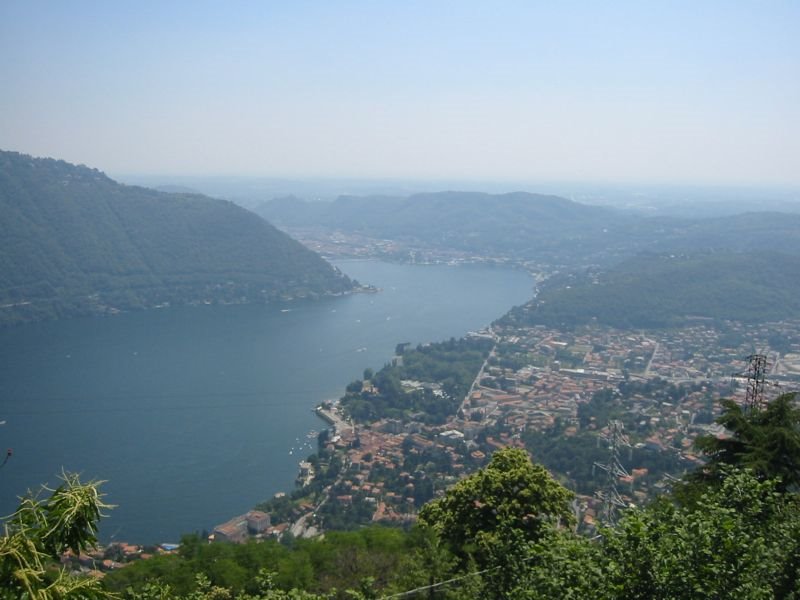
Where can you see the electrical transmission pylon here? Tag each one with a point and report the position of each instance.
(612, 500)
(756, 373)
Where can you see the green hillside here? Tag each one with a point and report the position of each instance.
(666, 290)
(76, 242)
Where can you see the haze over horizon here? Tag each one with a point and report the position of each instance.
(614, 92)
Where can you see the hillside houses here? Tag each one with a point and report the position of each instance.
(664, 385)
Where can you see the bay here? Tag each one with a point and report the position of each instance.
(194, 414)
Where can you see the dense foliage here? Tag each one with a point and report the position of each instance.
(341, 561)
(653, 291)
(766, 441)
(76, 242)
(510, 495)
(740, 540)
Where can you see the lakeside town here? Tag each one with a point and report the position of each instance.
(538, 388)
(506, 404)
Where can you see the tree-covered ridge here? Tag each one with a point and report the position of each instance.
(655, 291)
(748, 232)
(75, 242)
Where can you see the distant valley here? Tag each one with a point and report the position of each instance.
(600, 264)
(76, 242)
(520, 226)
(547, 230)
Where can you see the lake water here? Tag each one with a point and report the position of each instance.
(195, 414)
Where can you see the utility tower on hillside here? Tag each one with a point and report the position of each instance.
(609, 494)
(756, 374)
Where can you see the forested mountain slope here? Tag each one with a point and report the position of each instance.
(660, 290)
(75, 241)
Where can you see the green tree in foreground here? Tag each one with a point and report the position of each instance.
(510, 495)
(39, 531)
(501, 518)
(740, 540)
(766, 440)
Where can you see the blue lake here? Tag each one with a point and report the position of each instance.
(195, 414)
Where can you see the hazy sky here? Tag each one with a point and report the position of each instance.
(663, 91)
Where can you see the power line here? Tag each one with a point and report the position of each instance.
(437, 585)
(433, 586)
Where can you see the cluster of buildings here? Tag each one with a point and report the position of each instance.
(100, 560)
(340, 244)
(254, 524)
(537, 379)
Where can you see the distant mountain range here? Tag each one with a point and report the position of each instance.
(531, 226)
(520, 225)
(75, 242)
